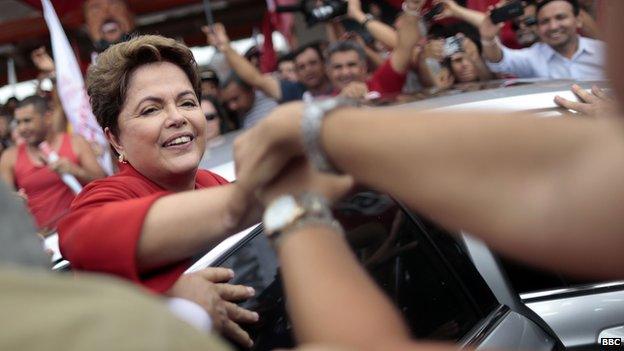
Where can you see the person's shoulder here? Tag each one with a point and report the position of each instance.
(592, 43)
(119, 186)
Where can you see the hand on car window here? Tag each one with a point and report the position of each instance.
(596, 103)
(209, 289)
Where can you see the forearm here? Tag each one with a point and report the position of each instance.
(85, 176)
(400, 58)
(343, 306)
(250, 74)
(472, 17)
(523, 184)
(379, 30)
(181, 225)
(492, 51)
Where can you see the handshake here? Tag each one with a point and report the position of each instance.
(272, 159)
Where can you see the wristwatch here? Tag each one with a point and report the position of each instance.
(313, 114)
(289, 212)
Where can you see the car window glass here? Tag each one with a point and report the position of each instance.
(399, 253)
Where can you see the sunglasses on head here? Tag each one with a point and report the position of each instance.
(211, 116)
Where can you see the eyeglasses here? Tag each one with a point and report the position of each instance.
(211, 116)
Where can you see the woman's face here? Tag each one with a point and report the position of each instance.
(212, 119)
(162, 130)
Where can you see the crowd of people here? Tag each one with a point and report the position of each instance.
(160, 112)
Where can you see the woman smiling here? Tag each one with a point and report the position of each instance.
(147, 221)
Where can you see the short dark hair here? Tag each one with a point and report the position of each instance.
(108, 79)
(40, 104)
(316, 46)
(285, 57)
(575, 5)
(232, 77)
(344, 46)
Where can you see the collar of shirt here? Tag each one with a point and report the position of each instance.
(584, 47)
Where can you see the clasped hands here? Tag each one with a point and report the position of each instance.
(270, 160)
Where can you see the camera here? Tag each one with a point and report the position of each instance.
(453, 45)
(313, 13)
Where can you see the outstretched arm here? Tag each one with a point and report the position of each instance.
(217, 36)
(523, 184)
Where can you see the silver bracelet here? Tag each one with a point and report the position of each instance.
(313, 114)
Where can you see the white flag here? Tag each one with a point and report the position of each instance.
(71, 88)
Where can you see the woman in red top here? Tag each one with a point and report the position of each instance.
(145, 222)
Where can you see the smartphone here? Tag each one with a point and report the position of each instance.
(452, 45)
(507, 12)
(434, 11)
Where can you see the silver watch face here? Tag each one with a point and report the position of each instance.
(280, 213)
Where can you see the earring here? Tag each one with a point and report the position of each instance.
(121, 159)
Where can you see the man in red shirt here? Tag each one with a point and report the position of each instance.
(347, 66)
(27, 169)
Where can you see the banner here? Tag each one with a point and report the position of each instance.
(71, 89)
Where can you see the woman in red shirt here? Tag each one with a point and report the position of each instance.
(147, 221)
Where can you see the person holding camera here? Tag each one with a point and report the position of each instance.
(561, 53)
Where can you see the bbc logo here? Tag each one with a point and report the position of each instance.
(612, 343)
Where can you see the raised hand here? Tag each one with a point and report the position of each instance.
(216, 36)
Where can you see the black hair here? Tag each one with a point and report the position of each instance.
(289, 56)
(40, 104)
(316, 46)
(226, 123)
(575, 5)
(232, 77)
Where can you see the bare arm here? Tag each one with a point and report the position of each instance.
(210, 215)
(408, 38)
(344, 306)
(89, 168)
(7, 162)
(492, 51)
(243, 68)
(522, 184)
(452, 9)
(379, 30)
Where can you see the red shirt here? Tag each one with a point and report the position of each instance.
(48, 197)
(102, 230)
(386, 81)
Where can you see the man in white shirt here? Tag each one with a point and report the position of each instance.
(561, 54)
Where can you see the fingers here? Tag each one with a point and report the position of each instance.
(217, 274)
(231, 292)
(235, 333)
(239, 314)
(600, 93)
(583, 95)
(572, 105)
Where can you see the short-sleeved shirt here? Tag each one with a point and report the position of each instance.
(102, 230)
(542, 61)
(386, 81)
